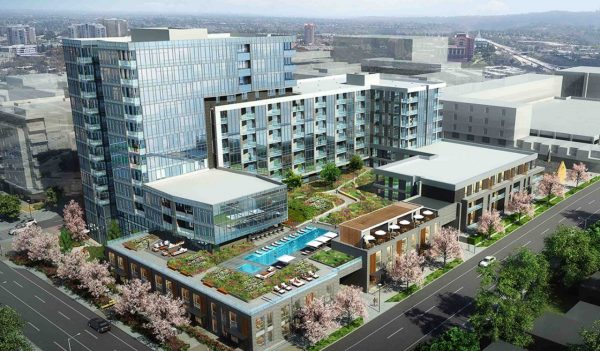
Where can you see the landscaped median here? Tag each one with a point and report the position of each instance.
(512, 222)
(428, 279)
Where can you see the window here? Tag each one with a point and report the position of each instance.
(133, 268)
(487, 110)
(471, 119)
(197, 301)
(455, 116)
(456, 106)
(112, 258)
(501, 133)
(470, 137)
(378, 263)
(455, 135)
(169, 285)
(185, 295)
(145, 274)
(503, 112)
(454, 126)
(485, 140)
(502, 123)
(484, 131)
(121, 262)
(158, 282)
(471, 108)
(486, 120)
(470, 129)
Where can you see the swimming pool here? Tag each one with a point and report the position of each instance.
(287, 248)
(250, 268)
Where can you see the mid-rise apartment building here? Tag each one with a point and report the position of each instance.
(21, 35)
(115, 27)
(87, 30)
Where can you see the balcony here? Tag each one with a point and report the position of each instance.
(289, 68)
(274, 125)
(321, 142)
(275, 165)
(98, 172)
(133, 118)
(248, 144)
(136, 182)
(410, 100)
(297, 108)
(298, 160)
(96, 158)
(360, 145)
(273, 111)
(243, 56)
(341, 113)
(132, 83)
(298, 134)
(274, 138)
(340, 137)
(341, 101)
(320, 117)
(245, 88)
(88, 94)
(320, 130)
(298, 121)
(135, 135)
(360, 133)
(86, 77)
(248, 158)
(341, 150)
(95, 142)
(275, 152)
(131, 100)
(320, 104)
(341, 125)
(298, 146)
(99, 188)
(128, 64)
(320, 154)
(135, 150)
(90, 110)
(244, 72)
(248, 130)
(84, 60)
(247, 116)
(92, 126)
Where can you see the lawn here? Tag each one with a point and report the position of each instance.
(331, 258)
(306, 202)
(371, 203)
(140, 243)
(247, 287)
(96, 252)
(198, 262)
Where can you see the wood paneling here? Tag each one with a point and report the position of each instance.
(372, 263)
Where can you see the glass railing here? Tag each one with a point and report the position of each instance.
(133, 118)
(127, 64)
(247, 116)
(274, 111)
(84, 60)
(274, 152)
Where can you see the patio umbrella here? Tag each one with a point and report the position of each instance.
(404, 222)
(394, 227)
(286, 259)
(314, 244)
(380, 232)
(368, 237)
(418, 216)
(427, 213)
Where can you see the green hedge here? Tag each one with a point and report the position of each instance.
(336, 335)
(474, 240)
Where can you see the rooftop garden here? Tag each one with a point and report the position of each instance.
(141, 243)
(247, 287)
(306, 202)
(331, 258)
(198, 262)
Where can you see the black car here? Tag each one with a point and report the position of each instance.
(99, 324)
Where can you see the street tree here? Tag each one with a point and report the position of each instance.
(114, 231)
(164, 313)
(10, 207)
(407, 268)
(579, 173)
(452, 340)
(489, 223)
(316, 319)
(591, 338)
(24, 237)
(330, 173)
(292, 180)
(550, 186)
(446, 245)
(350, 304)
(356, 163)
(65, 240)
(95, 277)
(511, 297)
(521, 203)
(51, 198)
(68, 265)
(133, 299)
(573, 253)
(74, 222)
(11, 331)
(43, 247)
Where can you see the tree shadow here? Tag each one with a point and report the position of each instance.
(452, 305)
(581, 218)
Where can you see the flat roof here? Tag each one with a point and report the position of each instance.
(382, 215)
(509, 91)
(213, 186)
(582, 69)
(570, 116)
(455, 164)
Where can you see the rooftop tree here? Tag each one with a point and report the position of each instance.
(579, 173)
(521, 203)
(407, 268)
(292, 179)
(350, 304)
(446, 245)
(330, 173)
(489, 223)
(550, 186)
(356, 163)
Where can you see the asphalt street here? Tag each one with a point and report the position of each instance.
(55, 322)
(448, 301)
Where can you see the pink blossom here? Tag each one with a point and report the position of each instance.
(316, 320)
(73, 218)
(579, 173)
(550, 186)
(407, 268)
(95, 277)
(350, 304)
(164, 313)
(134, 297)
(24, 238)
(521, 203)
(489, 222)
(44, 247)
(446, 245)
(69, 264)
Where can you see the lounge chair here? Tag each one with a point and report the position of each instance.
(286, 287)
(259, 252)
(266, 248)
(278, 290)
(271, 269)
(179, 252)
(307, 277)
(296, 282)
(311, 228)
(314, 275)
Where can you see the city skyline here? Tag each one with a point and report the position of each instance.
(313, 8)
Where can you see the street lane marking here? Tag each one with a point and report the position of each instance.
(578, 208)
(92, 335)
(545, 231)
(33, 326)
(591, 202)
(18, 284)
(527, 243)
(562, 220)
(37, 297)
(49, 321)
(57, 344)
(396, 332)
(62, 314)
(459, 289)
(439, 325)
(123, 341)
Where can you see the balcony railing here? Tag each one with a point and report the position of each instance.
(128, 64)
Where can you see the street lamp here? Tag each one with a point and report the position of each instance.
(69, 340)
(379, 299)
(29, 202)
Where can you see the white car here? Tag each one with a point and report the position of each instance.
(487, 260)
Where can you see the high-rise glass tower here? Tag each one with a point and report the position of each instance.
(140, 107)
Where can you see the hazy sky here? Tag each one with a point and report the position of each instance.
(311, 8)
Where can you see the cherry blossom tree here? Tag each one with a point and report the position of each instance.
(134, 297)
(579, 173)
(350, 304)
(521, 202)
(489, 222)
(69, 264)
(22, 242)
(446, 245)
(43, 247)
(95, 277)
(74, 222)
(407, 268)
(550, 186)
(164, 313)
(316, 319)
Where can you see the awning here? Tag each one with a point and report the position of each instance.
(330, 235)
(404, 222)
(286, 258)
(323, 239)
(314, 243)
(380, 232)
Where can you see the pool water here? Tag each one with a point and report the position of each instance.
(250, 268)
(287, 248)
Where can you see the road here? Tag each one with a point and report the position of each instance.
(448, 301)
(524, 59)
(55, 322)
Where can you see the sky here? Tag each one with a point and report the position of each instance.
(309, 8)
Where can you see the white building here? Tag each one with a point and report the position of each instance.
(21, 35)
(87, 30)
(115, 27)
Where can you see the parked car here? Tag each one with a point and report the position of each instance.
(487, 260)
(23, 224)
(100, 325)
